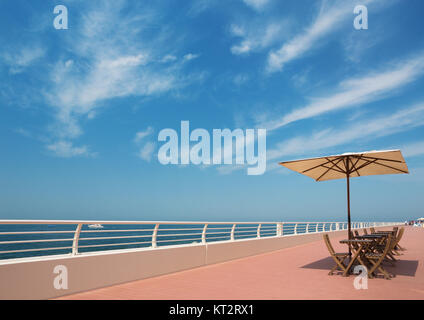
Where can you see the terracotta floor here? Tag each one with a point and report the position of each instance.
(293, 273)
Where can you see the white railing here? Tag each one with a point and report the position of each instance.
(23, 238)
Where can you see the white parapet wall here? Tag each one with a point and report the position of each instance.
(33, 278)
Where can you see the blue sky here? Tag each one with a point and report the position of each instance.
(81, 109)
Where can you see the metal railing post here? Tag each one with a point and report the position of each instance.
(76, 239)
(258, 232)
(204, 233)
(232, 232)
(279, 229)
(154, 235)
(295, 228)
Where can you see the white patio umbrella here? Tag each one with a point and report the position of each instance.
(349, 165)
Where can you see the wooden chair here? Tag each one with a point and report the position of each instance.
(399, 236)
(372, 230)
(376, 259)
(365, 231)
(381, 245)
(356, 233)
(337, 257)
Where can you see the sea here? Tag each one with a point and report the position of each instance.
(32, 240)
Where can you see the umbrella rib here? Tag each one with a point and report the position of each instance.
(354, 167)
(331, 168)
(368, 162)
(385, 165)
(357, 160)
(316, 166)
(381, 164)
(391, 160)
(336, 164)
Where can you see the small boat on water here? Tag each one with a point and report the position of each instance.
(95, 226)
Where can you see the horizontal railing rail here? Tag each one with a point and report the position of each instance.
(29, 238)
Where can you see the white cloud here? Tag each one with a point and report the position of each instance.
(142, 134)
(114, 55)
(146, 152)
(356, 91)
(257, 35)
(65, 149)
(413, 149)
(199, 6)
(168, 58)
(190, 56)
(327, 21)
(310, 145)
(402, 120)
(256, 4)
(240, 79)
(125, 61)
(22, 58)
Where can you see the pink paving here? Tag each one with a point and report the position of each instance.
(299, 272)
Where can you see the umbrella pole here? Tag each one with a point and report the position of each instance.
(348, 212)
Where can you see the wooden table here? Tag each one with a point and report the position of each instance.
(358, 247)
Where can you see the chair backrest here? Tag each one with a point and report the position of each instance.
(356, 233)
(395, 232)
(389, 245)
(365, 231)
(328, 244)
(400, 234)
(372, 230)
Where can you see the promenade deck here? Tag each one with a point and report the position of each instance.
(299, 272)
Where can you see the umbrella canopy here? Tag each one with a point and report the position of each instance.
(348, 165)
(351, 164)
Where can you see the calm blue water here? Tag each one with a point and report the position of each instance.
(134, 236)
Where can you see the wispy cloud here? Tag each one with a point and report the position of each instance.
(147, 151)
(413, 149)
(113, 54)
(21, 58)
(240, 79)
(257, 35)
(328, 20)
(168, 58)
(142, 134)
(66, 149)
(310, 145)
(256, 4)
(356, 91)
(199, 6)
(190, 56)
(402, 120)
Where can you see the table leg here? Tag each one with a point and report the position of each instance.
(352, 260)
